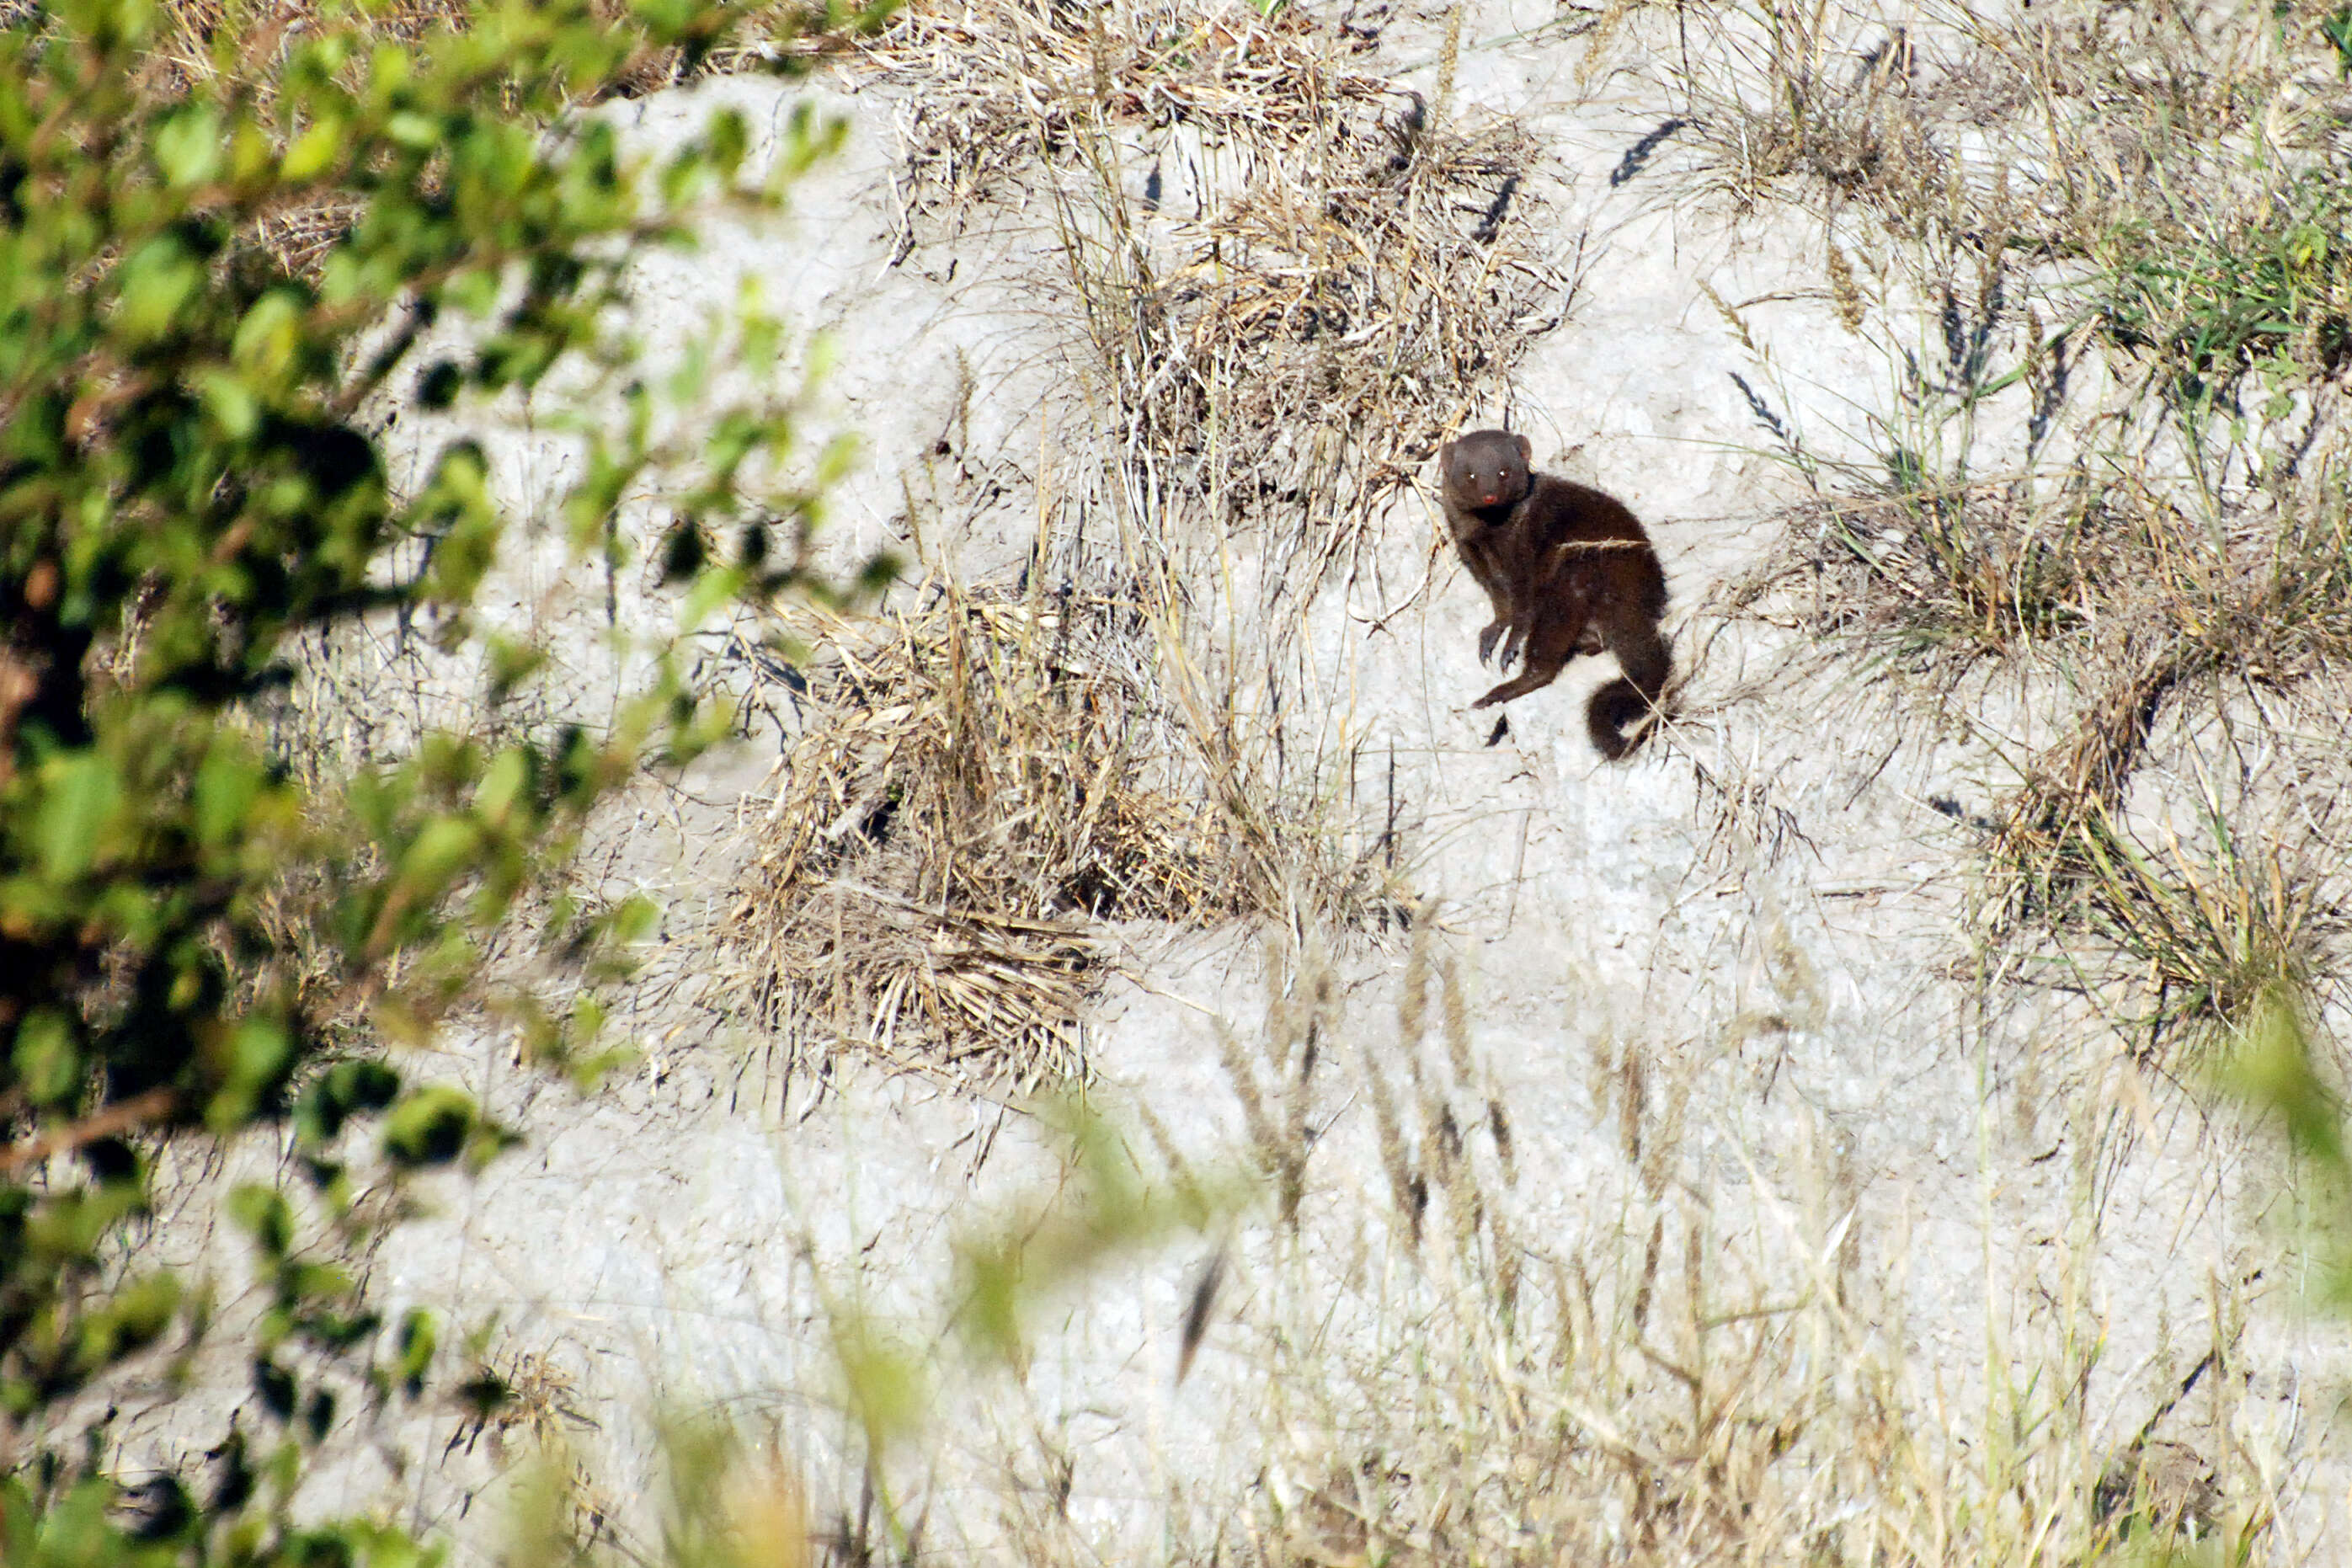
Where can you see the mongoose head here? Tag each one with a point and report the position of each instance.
(1485, 468)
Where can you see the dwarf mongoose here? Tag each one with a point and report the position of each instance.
(1569, 570)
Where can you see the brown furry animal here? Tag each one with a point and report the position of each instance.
(1568, 570)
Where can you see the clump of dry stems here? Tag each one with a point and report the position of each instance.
(1349, 270)
(2137, 616)
(2122, 226)
(975, 780)
(1665, 1385)
(1348, 274)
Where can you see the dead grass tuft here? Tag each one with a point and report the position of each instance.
(1288, 281)
(1943, 575)
(1827, 103)
(1295, 277)
(2180, 174)
(974, 780)
(1671, 1387)
(2219, 939)
(2121, 606)
(2113, 463)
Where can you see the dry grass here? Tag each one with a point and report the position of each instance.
(1338, 272)
(2126, 612)
(1445, 1379)
(1262, 366)
(2133, 136)
(2113, 462)
(1420, 1360)
(977, 780)
(1945, 578)
(2218, 938)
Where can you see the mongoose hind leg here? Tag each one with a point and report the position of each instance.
(1541, 671)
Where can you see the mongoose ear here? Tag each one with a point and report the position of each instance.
(1444, 453)
(1526, 448)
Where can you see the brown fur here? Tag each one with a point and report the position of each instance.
(1568, 570)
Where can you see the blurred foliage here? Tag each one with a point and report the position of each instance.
(1014, 1264)
(2272, 1067)
(1008, 1265)
(187, 484)
(727, 1502)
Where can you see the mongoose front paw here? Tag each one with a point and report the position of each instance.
(1486, 642)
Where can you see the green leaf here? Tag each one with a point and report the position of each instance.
(156, 284)
(884, 1381)
(419, 1336)
(267, 337)
(510, 663)
(226, 784)
(346, 1089)
(313, 151)
(262, 1213)
(188, 145)
(136, 1315)
(259, 1053)
(417, 133)
(79, 794)
(430, 1127)
(711, 590)
(446, 846)
(231, 404)
(502, 785)
(47, 1067)
(731, 139)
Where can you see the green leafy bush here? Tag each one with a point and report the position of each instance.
(186, 485)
